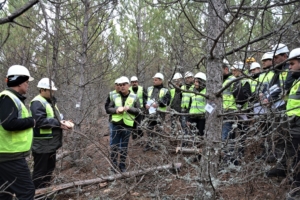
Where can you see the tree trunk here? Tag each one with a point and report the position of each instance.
(211, 150)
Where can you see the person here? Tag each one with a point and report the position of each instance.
(197, 104)
(188, 85)
(249, 61)
(160, 97)
(124, 108)
(48, 133)
(255, 71)
(109, 99)
(175, 102)
(142, 95)
(293, 112)
(16, 132)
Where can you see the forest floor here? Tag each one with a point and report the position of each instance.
(238, 184)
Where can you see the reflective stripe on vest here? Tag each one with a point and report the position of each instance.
(139, 94)
(15, 141)
(45, 133)
(228, 98)
(198, 103)
(128, 118)
(294, 100)
(264, 79)
(186, 96)
(162, 93)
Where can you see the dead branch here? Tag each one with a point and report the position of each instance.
(65, 186)
(188, 150)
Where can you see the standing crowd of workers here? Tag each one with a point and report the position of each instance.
(249, 88)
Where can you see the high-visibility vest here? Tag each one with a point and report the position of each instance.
(162, 93)
(294, 100)
(111, 94)
(172, 92)
(127, 118)
(186, 96)
(253, 83)
(139, 94)
(228, 98)
(16, 141)
(264, 79)
(45, 133)
(198, 103)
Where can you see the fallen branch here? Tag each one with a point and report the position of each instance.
(60, 187)
(188, 150)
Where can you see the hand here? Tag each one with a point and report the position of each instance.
(154, 105)
(126, 108)
(64, 127)
(147, 106)
(188, 123)
(120, 110)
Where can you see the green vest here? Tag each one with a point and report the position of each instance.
(162, 93)
(186, 97)
(172, 92)
(198, 103)
(139, 94)
(228, 98)
(253, 83)
(44, 132)
(111, 94)
(294, 100)
(264, 79)
(127, 118)
(16, 141)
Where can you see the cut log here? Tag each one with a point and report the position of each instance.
(56, 188)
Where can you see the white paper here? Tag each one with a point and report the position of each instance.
(209, 108)
(258, 109)
(151, 109)
(61, 116)
(243, 117)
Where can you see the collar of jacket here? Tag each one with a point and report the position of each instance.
(21, 97)
(159, 86)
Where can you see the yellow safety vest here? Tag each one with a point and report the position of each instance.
(198, 103)
(162, 93)
(45, 133)
(228, 98)
(294, 100)
(139, 94)
(125, 116)
(186, 96)
(16, 141)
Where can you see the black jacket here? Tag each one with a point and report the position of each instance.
(10, 122)
(112, 109)
(145, 96)
(49, 145)
(165, 100)
(241, 93)
(176, 103)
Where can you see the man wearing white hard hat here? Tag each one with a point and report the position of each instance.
(175, 103)
(16, 132)
(141, 92)
(124, 108)
(293, 112)
(255, 71)
(48, 133)
(161, 99)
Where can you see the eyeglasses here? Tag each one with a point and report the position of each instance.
(133, 81)
(122, 84)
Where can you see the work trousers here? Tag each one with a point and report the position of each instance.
(44, 165)
(15, 178)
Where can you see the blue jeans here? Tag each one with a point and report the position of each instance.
(227, 131)
(119, 139)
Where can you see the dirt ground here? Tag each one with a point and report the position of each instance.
(248, 183)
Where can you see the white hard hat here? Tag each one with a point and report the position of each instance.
(117, 81)
(19, 70)
(134, 78)
(266, 56)
(279, 49)
(159, 75)
(177, 75)
(238, 65)
(200, 75)
(188, 74)
(254, 65)
(295, 54)
(123, 79)
(44, 83)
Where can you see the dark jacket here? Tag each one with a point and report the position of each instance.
(176, 103)
(10, 122)
(135, 110)
(241, 93)
(165, 100)
(45, 145)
